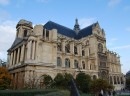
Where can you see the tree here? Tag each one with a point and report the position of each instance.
(62, 80)
(58, 80)
(47, 80)
(32, 82)
(100, 84)
(67, 78)
(128, 83)
(83, 82)
(5, 78)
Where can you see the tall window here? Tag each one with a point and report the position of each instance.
(83, 64)
(83, 53)
(115, 80)
(43, 33)
(59, 48)
(67, 48)
(118, 80)
(47, 34)
(75, 64)
(67, 63)
(25, 33)
(59, 61)
(75, 50)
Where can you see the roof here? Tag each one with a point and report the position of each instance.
(16, 41)
(61, 29)
(69, 32)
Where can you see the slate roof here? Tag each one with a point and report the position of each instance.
(16, 41)
(69, 32)
(61, 29)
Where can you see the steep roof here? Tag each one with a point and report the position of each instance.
(61, 29)
(69, 32)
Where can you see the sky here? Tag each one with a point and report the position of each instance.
(113, 16)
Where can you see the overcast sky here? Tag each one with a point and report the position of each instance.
(112, 15)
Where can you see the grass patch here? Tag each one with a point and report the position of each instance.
(35, 92)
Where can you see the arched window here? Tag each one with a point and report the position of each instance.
(25, 33)
(67, 48)
(75, 64)
(83, 64)
(59, 61)
(83, 53)
(75, 50)
(115, 80)
(118, 81)
(90, 66)
(59, 48)
(111, 82)
(67, 63)
(94, 77)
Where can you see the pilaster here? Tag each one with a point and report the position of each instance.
(22, 53)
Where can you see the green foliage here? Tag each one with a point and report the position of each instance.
(35, 92)
(100, 84)
(5, 78)
(47, 80)
(67, 78)
(83, 82)
(58, 80)
(61, 80)
(128, 83)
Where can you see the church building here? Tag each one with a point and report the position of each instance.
(53, 48)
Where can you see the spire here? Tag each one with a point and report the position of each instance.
(76, 26)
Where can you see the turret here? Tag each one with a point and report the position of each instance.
(23, 27)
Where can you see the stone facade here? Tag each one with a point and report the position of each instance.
(37, 51)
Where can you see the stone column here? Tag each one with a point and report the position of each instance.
(10, 62)
(89, 65)
(63, 61)
(80, 49)
(17, 61)
(80, 64)
(112, 80)
(29, 50)
(72, 63)
(22, 53)
(33, 51)
(14, 57)
(72, 47)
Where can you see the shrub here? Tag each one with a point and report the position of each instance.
(83, 82)
(47, 80)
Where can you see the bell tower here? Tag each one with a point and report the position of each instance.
(23, 27)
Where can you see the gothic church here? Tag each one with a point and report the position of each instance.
(53, 48)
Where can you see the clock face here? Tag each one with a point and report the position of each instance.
(100, 47)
